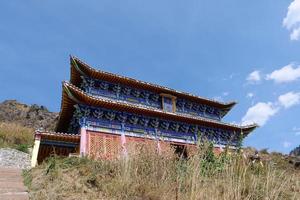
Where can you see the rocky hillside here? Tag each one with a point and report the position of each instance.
(32, 116)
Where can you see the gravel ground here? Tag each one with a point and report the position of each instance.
(12, 158)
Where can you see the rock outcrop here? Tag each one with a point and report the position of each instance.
(32, 116)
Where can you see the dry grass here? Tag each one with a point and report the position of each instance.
(15, 136)
(147, 175)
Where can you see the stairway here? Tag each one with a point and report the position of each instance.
(11, 185)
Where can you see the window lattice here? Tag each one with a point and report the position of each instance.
(104, 146)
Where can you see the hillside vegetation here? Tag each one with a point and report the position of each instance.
(146, 175)
(15, 136)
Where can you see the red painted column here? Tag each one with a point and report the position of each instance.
(83, 142)
(158, 147)
(123, 141)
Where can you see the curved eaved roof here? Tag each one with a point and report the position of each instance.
(80, 68)
(73, 95)
(58, 136)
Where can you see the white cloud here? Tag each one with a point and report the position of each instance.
(295, 35)
(292, 20)
(254, 77)
(260, 113)
(218, 98)
(231, 76)
(297, 131)
(286, 74)
(296, 128)
(286, 144)
(225, 93)
(289, 99)
(250, 95)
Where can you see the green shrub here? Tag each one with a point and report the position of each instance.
(22, 147)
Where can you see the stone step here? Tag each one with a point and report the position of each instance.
(11, 185)
(12, 176)
(14, 196)
(11, 179)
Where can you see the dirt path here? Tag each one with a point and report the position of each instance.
(11, 184)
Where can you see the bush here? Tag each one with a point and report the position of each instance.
(15, 136)
(23, 148)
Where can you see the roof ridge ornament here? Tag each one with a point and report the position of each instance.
(73, 61)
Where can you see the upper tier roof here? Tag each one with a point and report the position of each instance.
(80, 68)
(72, 95)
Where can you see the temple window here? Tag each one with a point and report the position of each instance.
(168, 103)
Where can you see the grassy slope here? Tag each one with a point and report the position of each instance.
(146, 175)
(15, 136)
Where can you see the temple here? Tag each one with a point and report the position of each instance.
(102, 112)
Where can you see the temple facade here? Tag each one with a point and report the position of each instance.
(102, 112)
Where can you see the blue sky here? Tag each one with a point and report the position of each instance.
(228, 50)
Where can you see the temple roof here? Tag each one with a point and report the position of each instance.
(57, 136)
(72, 95)
(80, 68)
